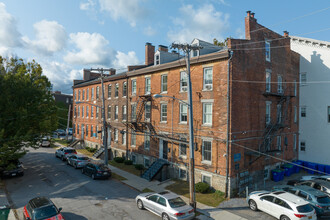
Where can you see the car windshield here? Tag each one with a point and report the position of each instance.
(101, 167)
(82, 158)
(177, 202)
(70, 151)
(323, 199)
(45, 212)
(305, 208)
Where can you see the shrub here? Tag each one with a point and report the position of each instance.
(91, 149)
(128, 162)
(119, 159)
(202, 187)
(139, 166)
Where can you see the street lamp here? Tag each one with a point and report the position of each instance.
(191, 149)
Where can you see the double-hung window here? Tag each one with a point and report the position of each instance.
(97, 112)
(92, 95)
(207, 151)
(97, 92)
(279, 85)
(303, 79)
(268, 107)
(163, 112)
(116, 112)
(124, 112)
(123, 138)
(109, 91)
(133, 112)
(109, 112)
(78, 95)
(279, 113)
(78, 111)
(164, 83)
(86, 111)
(208, 78)
(146, 142)
(83, 95)
(116, 134)
(87, 94)
(295, 114)
(302, 146)
(294, 141)
(92, 111)
(133, 138)
(268, 81)
(207, 113)
(116, 90)
(75, 95)
(303, 111)
(183, 148)
(147, 85)
(147, 115)
(124, 89)
(183, 81)
(92, 131)
(267, 50)
(279, 142)
(133, 86)
(183, 113)
(82, 112)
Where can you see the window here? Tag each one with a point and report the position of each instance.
(109, 112)
(77, 128)
(295, 114)
(328, 114)
(146, 142)
(133, 86)
(86, 111)
(157, 59)
(183, 112)
(75, 111)
(268, 105)
(109, 91)
(164, 83)
(147, 85)
(92, 131)
(133, 138)
(67, 100)
(268, 81)
(303, 79)
(295, 87)
(133, 158)
(279, 142)
(79, 95)
(96, 131)
(206, 150)
(87, 94)
(207, 113)
(97, 112)
(206, 179)
(302, 195)
(208, 78)
(124, 112)
(161, 201)
(147, 111)
(92, 95)
(267, 198)
(163, 112)
(303, 111)
(302, 146)
(279, 113)
(82, 112)
(86, 130)
(146, 163)
(116, 134)
(294, 141)
(116, 112)
(78, 111)
(124, 89)
(97, 92)
(183, 82)
(183, 174)
(83, 95)
(279, 84)
(133, 112)
(75, 95)
(92, 111)
(268, 142)
(116, 90)
(182, 148)
(267, 50)
(123, 138)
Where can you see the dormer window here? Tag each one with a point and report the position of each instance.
(157, 60)
(195, 53)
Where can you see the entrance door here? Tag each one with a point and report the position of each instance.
(163, 149)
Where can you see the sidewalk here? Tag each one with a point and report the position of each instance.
(4, 200)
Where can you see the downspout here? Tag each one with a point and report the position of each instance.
(228, 121)
(127, 97)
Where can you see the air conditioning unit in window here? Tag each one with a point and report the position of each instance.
(184, 89)
(208, 87)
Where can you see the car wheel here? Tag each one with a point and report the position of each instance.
(93, 176)
(140, 204)
(165, 217)
(253, 205)
(284, 217)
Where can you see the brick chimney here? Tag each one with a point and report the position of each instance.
(112, 71)
(150, 53)
(250, 24)
(286, 34)
(162, 48)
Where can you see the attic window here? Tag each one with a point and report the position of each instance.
(157, 59)
(195, 53)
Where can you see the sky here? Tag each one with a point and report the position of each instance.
(66, 36)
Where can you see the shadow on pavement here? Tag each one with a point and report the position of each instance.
(72, 216)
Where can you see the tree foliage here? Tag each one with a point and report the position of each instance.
(27, 108)
(220, 43)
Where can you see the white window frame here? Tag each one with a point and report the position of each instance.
(180, 149)
(205, 114)
(268, 81)
(268, 112)
(124, 113)
(279, 113)
(109, 112)
(82, 112)
(181, 114)
(267, 50)
(133, 86)
(294, 141)
(133, 137)
(206, 161)
(164, 84)
(87, 94)
(116, 90)
(147, 85)
(133, 112)
(97, 112)
(207, 86)
(115, 135)
(87, 112)
(92, 111)
(147, 111)
(280, 84)
(109, 91)
(279, 142)
(116, 112)
(206, 175)
(123, 138)
(163, 114)
(92, 95)
(180, 174)
(183, 79)
(97, 92)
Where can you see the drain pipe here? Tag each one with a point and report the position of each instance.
(228, 120)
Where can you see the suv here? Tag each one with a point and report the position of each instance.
(319, 200)
(41, 208)
(64, 152)
(318, 184)
(13, 168)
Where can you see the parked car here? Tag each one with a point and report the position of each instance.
(70, 131)
(166, 204)
(321, 185)
(319, 200)
(45, 142)
(282, 205)
(96, 171)
(60, 132)
(12, 169)
(64, 152)
(324, 177)
(77, 161)
(41, 208)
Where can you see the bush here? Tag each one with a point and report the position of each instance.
(91, 149)
(139, 166)
(119, 159)
(128, 162)
(202, 187)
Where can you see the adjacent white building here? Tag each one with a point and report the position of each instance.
(314, 109)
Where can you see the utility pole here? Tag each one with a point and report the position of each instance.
(67, 124)
(105, 134)
(187, 48)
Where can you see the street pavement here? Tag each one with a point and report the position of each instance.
(80, 197)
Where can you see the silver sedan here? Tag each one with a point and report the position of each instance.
(77, 161)
(166, 204)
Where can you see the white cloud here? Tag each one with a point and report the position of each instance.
(50, 38)
(93, 49)
(205, 23)
(89, 5)
(9, 35)
(123, 60)
(128, 10)
(149, 31)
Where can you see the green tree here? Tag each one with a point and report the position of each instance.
(27, 108)
(220, 43)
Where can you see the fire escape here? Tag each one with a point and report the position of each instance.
(274, 127)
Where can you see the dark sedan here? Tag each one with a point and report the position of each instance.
(14, 168)
(96, 171)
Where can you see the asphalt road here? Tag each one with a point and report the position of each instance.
(80, 197)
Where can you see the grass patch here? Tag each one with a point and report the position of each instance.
(128, 168)
(85, 152)
(60, 141)
(117, 177)
(211, 198)
(146, 190)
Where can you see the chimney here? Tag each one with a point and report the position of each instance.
(252, 15)
(250, 24)
(150, 53)
(162, 48)
(286, 34)
(248, 13)
(112, 71)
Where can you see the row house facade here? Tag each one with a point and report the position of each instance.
(244, 101)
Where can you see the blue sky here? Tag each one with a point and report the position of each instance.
(65, 36)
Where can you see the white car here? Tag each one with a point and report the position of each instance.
(282, 205)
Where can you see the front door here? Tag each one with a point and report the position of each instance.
(165, 149)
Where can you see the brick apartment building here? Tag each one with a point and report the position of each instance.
(244, 97)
